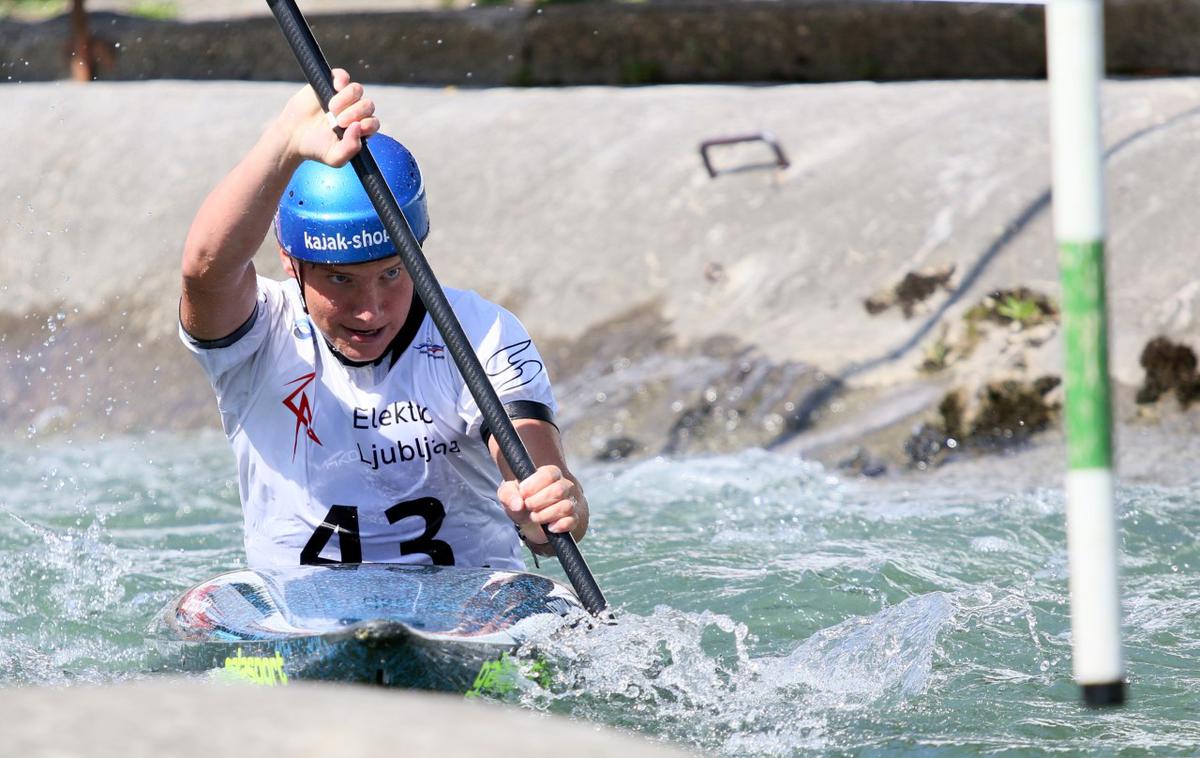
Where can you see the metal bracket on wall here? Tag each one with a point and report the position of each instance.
(781, 162)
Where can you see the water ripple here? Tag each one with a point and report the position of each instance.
(766, 607)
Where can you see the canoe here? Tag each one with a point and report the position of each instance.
(428, 627)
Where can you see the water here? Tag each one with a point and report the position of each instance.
(766, 607)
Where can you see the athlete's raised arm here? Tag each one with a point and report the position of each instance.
(551, 497)
(218, 272)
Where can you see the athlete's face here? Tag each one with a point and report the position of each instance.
(360, 307)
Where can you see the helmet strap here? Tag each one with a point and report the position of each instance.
(298, 270)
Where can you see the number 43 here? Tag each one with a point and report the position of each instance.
(343, 520)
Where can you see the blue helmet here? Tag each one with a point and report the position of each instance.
(325, 215)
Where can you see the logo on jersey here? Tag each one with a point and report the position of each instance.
(302, 328)
(509, 369)
(298, 403)
(432, 350)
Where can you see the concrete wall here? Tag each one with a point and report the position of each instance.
(622, 43)
(650, 288)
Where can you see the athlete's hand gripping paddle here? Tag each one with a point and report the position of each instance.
(316, 69)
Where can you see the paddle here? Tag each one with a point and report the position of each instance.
(316, 69)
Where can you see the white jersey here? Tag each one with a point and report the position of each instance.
(379, 463)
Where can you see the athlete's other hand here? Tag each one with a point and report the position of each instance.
(547, 498)
(310, 134)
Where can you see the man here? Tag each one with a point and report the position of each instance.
(356, 438)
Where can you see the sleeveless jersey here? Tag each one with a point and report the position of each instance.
(378, 463)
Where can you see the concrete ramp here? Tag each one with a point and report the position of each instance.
(178, 718)
(579, 207)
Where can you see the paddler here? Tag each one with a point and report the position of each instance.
(356, 437)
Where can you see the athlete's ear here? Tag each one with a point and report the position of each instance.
(287, 262)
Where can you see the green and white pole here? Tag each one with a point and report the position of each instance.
(1075, 33)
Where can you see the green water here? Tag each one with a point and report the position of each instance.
(766, 607)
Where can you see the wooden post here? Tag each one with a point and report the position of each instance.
(81, 44)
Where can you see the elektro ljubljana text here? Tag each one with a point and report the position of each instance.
(419, 447)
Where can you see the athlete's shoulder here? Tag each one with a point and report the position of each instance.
(285, 289)
(469, 300)
(473, 308)
(281, 299)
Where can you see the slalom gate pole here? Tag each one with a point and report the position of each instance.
(1075, 56)
(316, 70)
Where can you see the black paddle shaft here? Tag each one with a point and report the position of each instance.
(316, 69)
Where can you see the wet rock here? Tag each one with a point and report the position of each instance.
(749, 403)
(628, 389)
(618, 449)
(997, 415)
(690, 427)
(928, 445)
(1010, 410)
(952, 414)
(862, 463)
(1170, 367)
(914, 288)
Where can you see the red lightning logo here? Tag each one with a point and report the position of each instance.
(302, 410)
